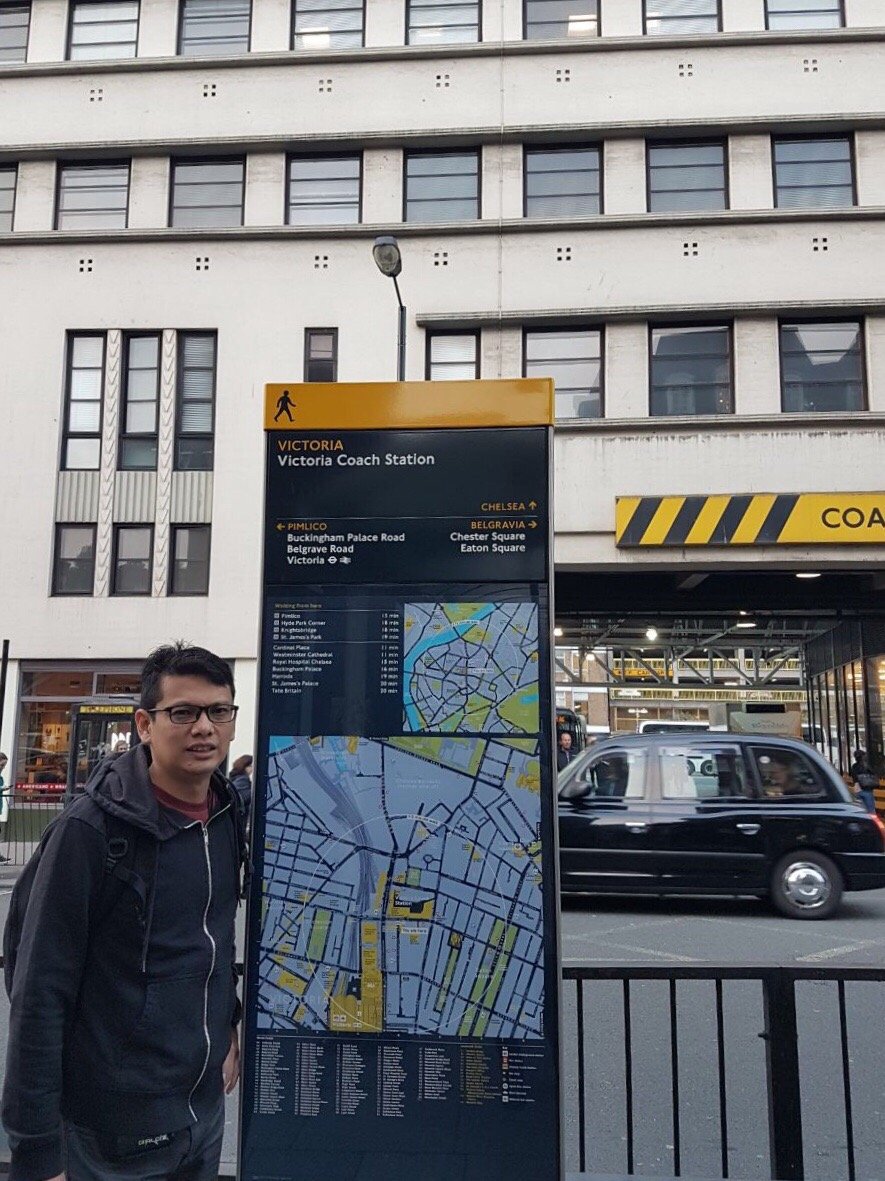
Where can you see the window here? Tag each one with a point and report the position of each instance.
(546, 19)
(7, 198)
(442, 186)
(103, 28)
(92, 197)
(811, 173)
(73, 567)
(453, 356)
(81, 448)
(213, 27)
(438, 22)
(681, 16)
(327, 24)
(705, 773)
(573, 358)
(686, 177)
(207, 192)
(141, 392)
(14, 22)
(561, 182)
(822, 367)
(804, 14)
(320, 354)
(195, 424)
(612, 777)
(324, 190)
(786, 775)
(190, 560)
(133, 549)
(690, 370)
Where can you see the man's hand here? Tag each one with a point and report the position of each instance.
(230, 1072)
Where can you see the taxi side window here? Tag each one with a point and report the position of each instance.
(703, 773)
(787, 775)
(613, 775)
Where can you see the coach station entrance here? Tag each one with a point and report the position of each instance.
(798, 653)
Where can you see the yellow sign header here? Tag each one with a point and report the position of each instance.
(106, 709)
(766, 518)
(415, 405)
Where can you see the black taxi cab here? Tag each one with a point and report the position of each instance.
(716, 813)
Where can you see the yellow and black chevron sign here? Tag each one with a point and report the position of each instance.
(767, 518)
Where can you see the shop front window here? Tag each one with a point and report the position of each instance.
(875, 668)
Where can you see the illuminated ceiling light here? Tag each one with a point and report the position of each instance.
(651, 634)
(745, 623)
(557, 631)
(807, 574)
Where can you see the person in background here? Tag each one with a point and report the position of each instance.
(241, 780)
(865, 779)
(564, 754)
(5, 802)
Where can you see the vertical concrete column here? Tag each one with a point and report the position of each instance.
(743, 16)
(271, 25)
(385, 24)
(874, 341)
(501, 181)
(35, 195)
(502, 20)
(165, 459)
(863, 14)
(246, 678)
(501, 352)
(148, 193)
(48, 34)
(265, 189)
(756, 365)
(158, 28)
(620, 18)
(749, 172)
(382, 185)
(869, 150)
(623, 176)
(626, 371)
(108, 474)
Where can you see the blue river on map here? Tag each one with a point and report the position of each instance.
(455, 632)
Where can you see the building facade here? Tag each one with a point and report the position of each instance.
(674, 207)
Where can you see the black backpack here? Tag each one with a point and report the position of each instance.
(128, 863)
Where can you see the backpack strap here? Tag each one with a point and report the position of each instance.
(129, 863)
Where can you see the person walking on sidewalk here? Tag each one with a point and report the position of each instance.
(123, 1024)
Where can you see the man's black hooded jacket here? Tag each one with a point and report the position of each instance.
(120, 1022)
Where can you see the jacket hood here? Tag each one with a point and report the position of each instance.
(121, 786)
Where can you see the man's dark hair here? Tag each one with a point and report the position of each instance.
(181, 660)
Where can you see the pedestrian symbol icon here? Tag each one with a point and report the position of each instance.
(285, 405)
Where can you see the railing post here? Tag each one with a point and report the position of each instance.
(782, 1064)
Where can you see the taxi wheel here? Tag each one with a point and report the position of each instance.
(806, 885)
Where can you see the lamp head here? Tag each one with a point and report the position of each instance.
(388, 258)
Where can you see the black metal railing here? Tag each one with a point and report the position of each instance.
(777, 1018)
(26, 812)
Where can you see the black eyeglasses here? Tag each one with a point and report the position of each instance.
(186, 715)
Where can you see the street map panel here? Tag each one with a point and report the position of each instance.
(470, 668)
(403, 887)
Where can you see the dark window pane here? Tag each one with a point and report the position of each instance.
(103, 29)
(442, 187)
(546, 19)
(7, 196)
(194, 454)
(93, 197)
(141, 393)
(562, 182)
(813, 173)
(138, 454)
(324, 190)
(132, 561)
(686, 177)
(681, 16)
(786, 775)
(574, 360)
(190, 560)
(822, 367)
(14, 22)
(690, 371)
(437, 22)
(74, 571)
(804, 14)
(328, 24)
(208, 193)
(214, 27)
(196, 397)
(321, 355)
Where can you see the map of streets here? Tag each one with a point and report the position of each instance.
(470, 668)
(402, 885)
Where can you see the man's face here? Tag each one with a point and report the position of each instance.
(190, 751)
(779, 773)
(565, 740)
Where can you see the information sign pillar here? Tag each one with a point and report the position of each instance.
(402, 1012)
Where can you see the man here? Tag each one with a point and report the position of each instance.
(865, 779)
(564, 754)
(122, 1033)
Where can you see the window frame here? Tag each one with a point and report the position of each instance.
(656, 326)
(123, 434)
(431, 333)
(852, 163)
(343, 49)
(175, 529)
(179, 399)
(785, 321)
(442, 3)
(175, 161)
(688, 143)
(581, 777)
(69, 41)
(13, 168)
(28, 4)
(525, 26)
(119, 527)
(646, 33)
(66, 433)
(709, 749)
(179, 39)
(530, 149)
(63, 165)
(287, 188)
(55, 593)
(583, 327)
(827, 795)
(840, 4)
(308, 332)
(409, 154)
